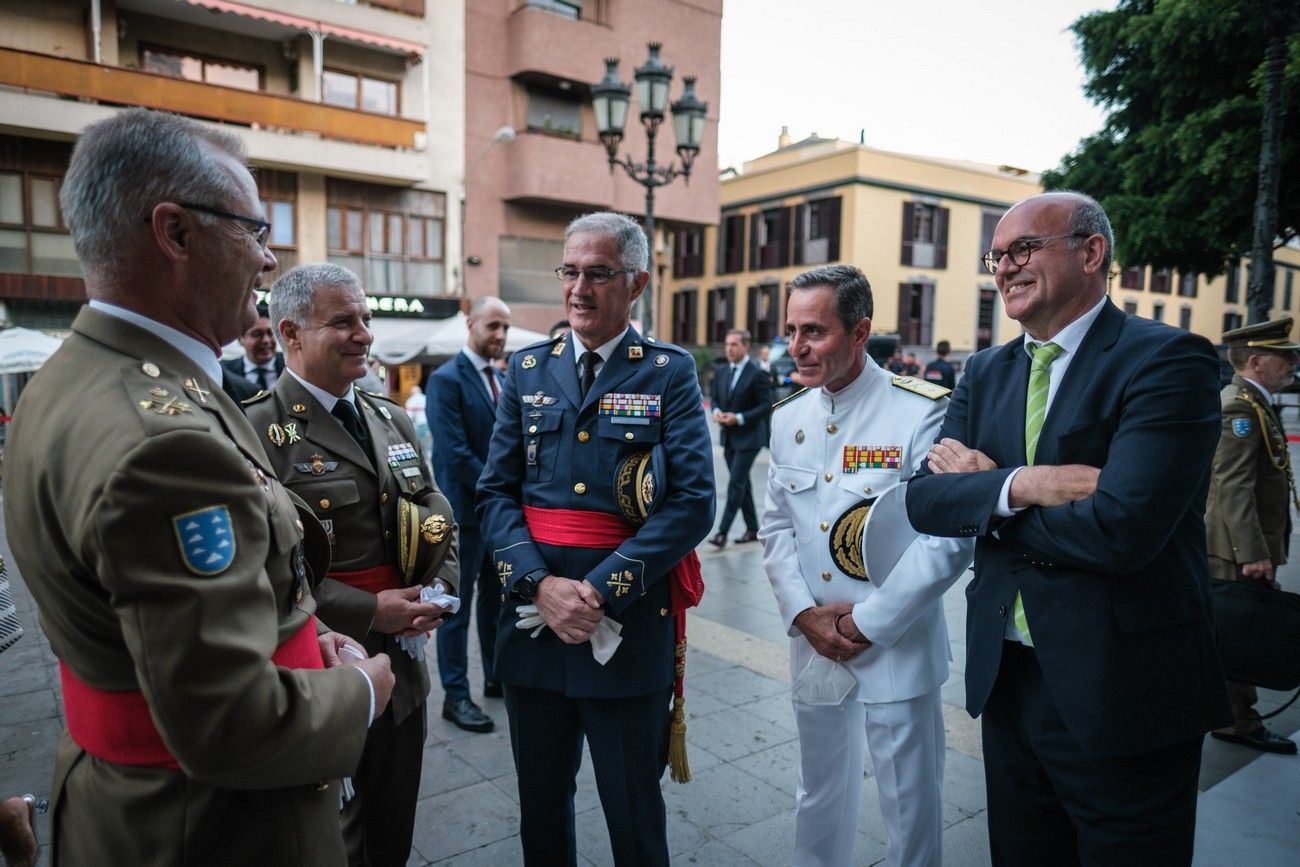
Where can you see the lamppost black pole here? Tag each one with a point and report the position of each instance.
(609, 99)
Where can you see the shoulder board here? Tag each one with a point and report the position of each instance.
(783, 401)
(164, 403)
(379, 394)
(260, 396)
(539, 344)
(921, 387)
(665, 345)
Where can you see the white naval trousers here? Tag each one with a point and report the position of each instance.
(906, 743)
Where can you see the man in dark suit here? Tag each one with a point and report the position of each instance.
(940, 370)
(460, 404)
(573, 411)
(260, 366)
(742, 402)
(1079, 455)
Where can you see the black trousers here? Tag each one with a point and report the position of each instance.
(379, 820)
(1052, 803)
(740, 495)
(628, 738)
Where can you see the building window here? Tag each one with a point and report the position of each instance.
(197, 67)
(925, 235)
(721, 313)
(1286, 289)
(33, 239)
(769, 239)
(764, 313)
(1187, 285)
(1160, 280)
(817, 232)
(527, 269)
(392, 238)
(1231, 320)
(1132, 278)
(685, 317)
(359, 91)
(688, 252)
(915, 313)
(1231, 282)
(1131, 308)
(567, 8)
(554, 111)
(1185, 318)
(1158, 311)
(731, 244)
(278, 192)
(984, 316)
(988, 225)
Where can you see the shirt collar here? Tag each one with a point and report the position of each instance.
(1268, 395)
(250, 365)
(605, 350)
(1071, 336)
(195, 350)
(836, 401)
(326, 399)
(477, 360)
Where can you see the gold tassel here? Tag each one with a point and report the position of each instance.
(677, 761)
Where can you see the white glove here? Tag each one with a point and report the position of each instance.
(823, 682)
(604, 641)
(438, 595)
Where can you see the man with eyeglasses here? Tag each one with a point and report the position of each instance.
(207, 710)
(1079, 457)
(261, 365)
(598, 484)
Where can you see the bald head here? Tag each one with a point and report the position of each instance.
(488, 322)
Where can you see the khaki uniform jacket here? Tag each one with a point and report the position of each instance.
(316, 458)
(1248, 510)
(117, 437)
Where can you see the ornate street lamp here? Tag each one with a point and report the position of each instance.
(609, 100)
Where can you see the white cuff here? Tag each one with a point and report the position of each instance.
(370, 686)
(1004, 509)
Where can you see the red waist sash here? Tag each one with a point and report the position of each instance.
(371, 580)
(116, 725)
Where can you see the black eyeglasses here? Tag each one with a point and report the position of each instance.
(261, 228)
(1021, 249)
(597, 275)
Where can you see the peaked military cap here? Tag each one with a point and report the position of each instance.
(1274, 334)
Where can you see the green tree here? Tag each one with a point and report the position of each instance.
(1181, 162)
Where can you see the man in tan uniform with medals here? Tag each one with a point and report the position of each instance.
(351, 456)
(205, 715)
(1248, 510)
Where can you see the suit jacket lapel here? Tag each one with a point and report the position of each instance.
(317, 425)
(1079, 377)
(472, 381)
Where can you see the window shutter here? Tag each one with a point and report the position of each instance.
(941, 237)
(908, 218)
(755, 260)
(832, 221)
(783, 238)
(800, 220)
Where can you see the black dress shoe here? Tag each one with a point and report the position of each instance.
(492, 689)
(467, 715)
(1260, 739)
(747, 536)
(719, 540)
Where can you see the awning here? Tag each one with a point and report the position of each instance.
(350, 34)
(398, 341)
(24, 351)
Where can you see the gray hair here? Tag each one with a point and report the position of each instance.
(124, 166)
(631, 240)
(292, 293)
(1089, 218)
(853, 301)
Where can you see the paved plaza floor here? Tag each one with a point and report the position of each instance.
(743, 749)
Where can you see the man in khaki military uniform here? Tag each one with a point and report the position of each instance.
(352, 456)
(1248, 511)
(205, 715)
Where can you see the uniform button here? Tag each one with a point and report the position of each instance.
(583, 436)
(866, 490)
(825, 526)
(826, 576)
(829, 477)
(384, 498)
(629, 436)
(388, 534)
(1002, 611)
(322, 785)
(298, 524)
(324, 504)
(830, 429)
(792, 486)
(663, 612)
(532, 428)
(580, 488)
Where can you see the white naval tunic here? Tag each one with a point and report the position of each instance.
(895, 706)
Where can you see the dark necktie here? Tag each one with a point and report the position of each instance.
(346, 413)
(492, 381)
(260, 373)
(589, 361)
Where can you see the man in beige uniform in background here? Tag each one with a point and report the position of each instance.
(1248, 510)
(352, 456)
(167, 562)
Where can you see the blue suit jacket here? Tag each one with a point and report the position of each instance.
(460, 415)
(752, 398)
(558, 451)
(1115, 586)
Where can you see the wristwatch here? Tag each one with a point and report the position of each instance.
(526, 587)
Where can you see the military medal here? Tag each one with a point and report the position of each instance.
(199, 391)
(872, 458)
(530, 361)
(538, 399)
(635, 409)
(291, 432)
(275, 434)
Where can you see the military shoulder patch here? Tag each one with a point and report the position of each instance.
(783, 401)
(206, 539)
(1241, 427)
(921, 387)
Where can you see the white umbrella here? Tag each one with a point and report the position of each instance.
(24, 351)
(437, 337)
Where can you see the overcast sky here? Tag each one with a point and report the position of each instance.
(996, 81)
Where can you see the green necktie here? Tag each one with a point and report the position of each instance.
(1035, 412)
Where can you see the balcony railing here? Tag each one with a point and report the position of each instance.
(112, 84)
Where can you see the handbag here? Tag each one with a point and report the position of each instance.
(1258, 631)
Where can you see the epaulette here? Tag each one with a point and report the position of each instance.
(260, 396)
(663, 344)
(379, 394)
(162, 400)
(790, 397)
(921, 387)
(539, 344)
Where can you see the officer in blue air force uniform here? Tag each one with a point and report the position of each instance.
(556, 450)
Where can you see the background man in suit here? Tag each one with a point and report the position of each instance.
(352, 456)
(168, 563)
(1079, 455)
(742, 402)
(1248, 512)
(572, 410)
(461, 405)
(261, 365)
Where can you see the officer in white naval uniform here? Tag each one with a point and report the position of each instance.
(878, 654)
